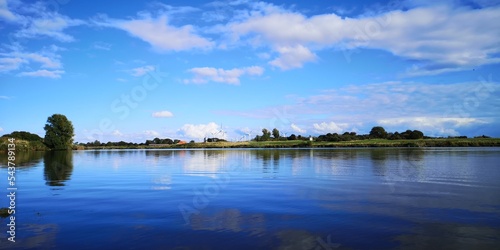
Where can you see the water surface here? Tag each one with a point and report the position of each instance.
(444, 198)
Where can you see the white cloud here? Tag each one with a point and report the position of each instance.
(164, 113)
(231, 76)
(433, 125)
(43, 22)
(158, 33)
(293, 57)
(1, 129)
(199, 131)
(264, 56)
(117, 133)
(4, 97)
(297, 128)
(5, 13)
(431, 121)
(151, 134)
(102, 46)
(51, 61)
(442, 38)
(330, 127)
(46, 60)
(43, 73)
(140, 71)
(10, 63)
(360, 107)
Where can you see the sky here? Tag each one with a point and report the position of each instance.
(136, 70)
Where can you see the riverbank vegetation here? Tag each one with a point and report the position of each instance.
(435, 142)
(60, 132)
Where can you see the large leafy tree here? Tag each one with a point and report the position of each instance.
(276, 133)
(59, 132)
(266, 135)
(378, 132)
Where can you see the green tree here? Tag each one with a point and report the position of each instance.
(378, 132)
(58, 132)
(266, 135)
(416, 134)
(276, 133)
(23, 135)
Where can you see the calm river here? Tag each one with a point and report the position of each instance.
(431, 198)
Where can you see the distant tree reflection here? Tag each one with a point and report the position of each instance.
(24, 159)
(58, 167)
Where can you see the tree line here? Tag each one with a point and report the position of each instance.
(59, 133)
(376, 132)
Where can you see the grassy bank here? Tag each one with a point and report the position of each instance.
(22, 145)
(472, 142)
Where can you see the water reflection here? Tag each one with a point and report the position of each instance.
(272, 199)
(58, 166)
(35, 236)
(450, 236)
(205, 162)
(229, 220)
(23, 159)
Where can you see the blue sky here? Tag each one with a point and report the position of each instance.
(187, 69)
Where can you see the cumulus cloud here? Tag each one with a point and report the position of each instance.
(297, 129)
(231, 76)
(164, 113)
(441, 37)
(433, 125)
(330, 127)
(158, 32)
(199, 131)
(293, 57)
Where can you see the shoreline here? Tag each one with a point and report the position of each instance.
(370, 143)
(26, 146)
